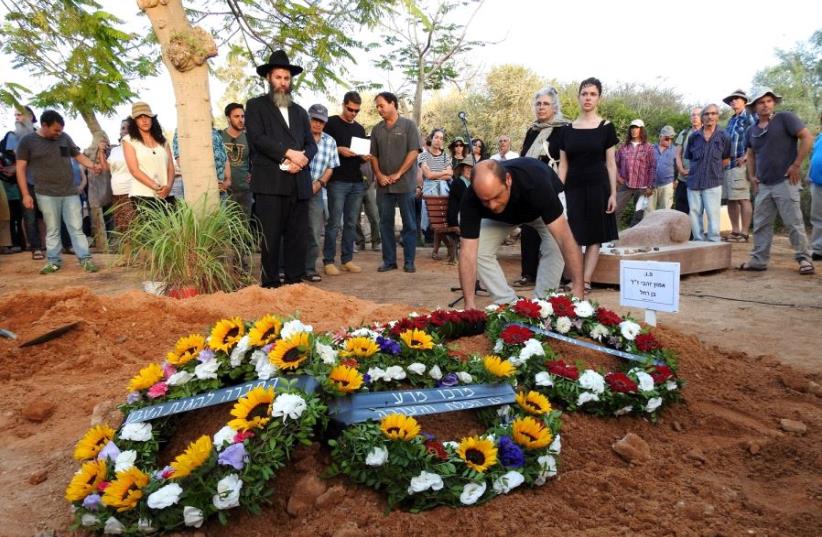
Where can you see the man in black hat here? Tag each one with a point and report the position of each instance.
(280, 147)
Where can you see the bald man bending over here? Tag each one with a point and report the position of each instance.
(504, 195)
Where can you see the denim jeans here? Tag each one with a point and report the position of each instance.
(431, 187)
(387, 203)
(709, 202)
(816, 218)
(344, 200)
(316, 221)
(66, 209)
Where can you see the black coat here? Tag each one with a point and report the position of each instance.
(269, 138)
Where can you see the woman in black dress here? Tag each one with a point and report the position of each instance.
(587, 166)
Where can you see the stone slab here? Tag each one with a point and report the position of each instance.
(692, 256)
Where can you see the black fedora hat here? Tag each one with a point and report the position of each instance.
(278, 59)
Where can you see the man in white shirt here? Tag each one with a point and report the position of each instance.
(505, 153)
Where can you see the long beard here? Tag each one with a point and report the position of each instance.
(281, 98)
(22, 128)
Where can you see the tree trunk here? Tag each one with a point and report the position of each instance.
(93, 125)
(185, 50)
(418, 92)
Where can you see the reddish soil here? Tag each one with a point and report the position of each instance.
(721, 463)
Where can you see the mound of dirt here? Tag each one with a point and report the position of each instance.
(722, 463)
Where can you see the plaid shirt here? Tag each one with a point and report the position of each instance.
(636, 164)
(736, 129)
(325, 158)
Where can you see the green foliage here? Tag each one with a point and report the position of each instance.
(178, 245)
(11, 94)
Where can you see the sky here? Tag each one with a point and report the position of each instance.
(704, 49)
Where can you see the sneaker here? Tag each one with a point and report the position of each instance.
(331, 270)
(49, 268)
(376, 246)
(350, 267)
(312, 277)
(523, 283)
(409, 268)
(386, 268)
(88, 265)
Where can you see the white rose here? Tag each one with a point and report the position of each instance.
(491, 307)
(365, 332)
(193, 516)
(532, 348)
(435, 372)
(624, 410)
(179, 378)
(125, 460)
(583, 308)
(264, 368)
(592, 381)
(556, 445)
(256, 356)
(516, 360)
(224, 436)
(88, 520)
(543, 378)
(472, 492)
(144, 525)
(165, 496)
(288, 405)
(228, 492)
(294, 327)
(450, 444)
(376, 373)
(653, 404)
(417, 368)
(327, 353)
(498, 346)
(545, 309)
(584, 397)
(645, 381)
(629, 329)
(207, 370)
(395, 372)
(508, 482)
(136, 432)
(599, 331)
(548, 464)
(563, 325)
(465, 377)
(377, 456)
(113, 526)
(671, 385)
(425, 481)
(238, 353)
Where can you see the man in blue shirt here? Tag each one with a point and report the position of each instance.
(662, 194)
(815, 175)
(736, 188)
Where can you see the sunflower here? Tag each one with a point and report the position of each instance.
(226, 333)
(124, 492)
(400, 427)
(478, 453)
(534, 403)
(264, 331)
(92, 442)
(359, 347)
(186, 349)
(85, 481)
(257, 401)
(498, 367)
(290, 353)
(530, 433)
(417, 339)
(195, 455)
(345, 378)
(146, 378)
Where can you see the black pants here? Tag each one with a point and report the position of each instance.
(283, 218)
(681, 197)
(17, 236)
(529, 242)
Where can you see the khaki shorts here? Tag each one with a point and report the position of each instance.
(736, 185)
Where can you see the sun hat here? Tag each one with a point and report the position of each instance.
(738, 93)
(667, 130)
(761, 92)
(141, 109)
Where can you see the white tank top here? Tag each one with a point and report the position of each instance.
(153, 162)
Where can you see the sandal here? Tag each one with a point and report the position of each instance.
(748, 268)
(737, 237)
(586, 288)
(806, 268)
(37, 255)
(435, 256)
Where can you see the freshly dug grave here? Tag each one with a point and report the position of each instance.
(722, 463)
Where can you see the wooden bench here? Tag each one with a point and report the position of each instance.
(437, 207)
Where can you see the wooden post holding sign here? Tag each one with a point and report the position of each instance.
(650, 285)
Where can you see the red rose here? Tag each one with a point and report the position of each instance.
(242, 436)
(620, 382)
(608, 317)
(515, 335)
(527, 308)
(439, 317)
(103, 485)
(436, 449)
(350, 362)
(561, 369)
(646, 342)
(563, 306)
(661, 373)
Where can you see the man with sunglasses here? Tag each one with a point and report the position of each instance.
(662, 195)
(345, 188)
(774, 163)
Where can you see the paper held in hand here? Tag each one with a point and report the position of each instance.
(360, 146)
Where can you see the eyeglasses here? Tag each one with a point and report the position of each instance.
(353, 110)
(666, 138)
(459, 144)
(543, 104)
(710, 113)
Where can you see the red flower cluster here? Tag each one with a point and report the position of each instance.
(527, 308)
(563, 306)
(646, 342)
(661, 373)
(440, 317)
(515, 335)
(436, 449)
(242, 436)
(608, 317)
(350, 362)
(620, 382)
(561, 369)
(457, 323)
(409, 323)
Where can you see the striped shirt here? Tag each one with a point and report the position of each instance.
(326, 157)
(736, 129)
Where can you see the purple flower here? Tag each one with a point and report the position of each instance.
(91, 502)
(205, 355)
(388, 345)
(110, 451)
(366, 378)
(234, 456)
(510, 454)
(164, 473)
(451, 379)
(267, 348)
(428, 436)
(133, 397)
